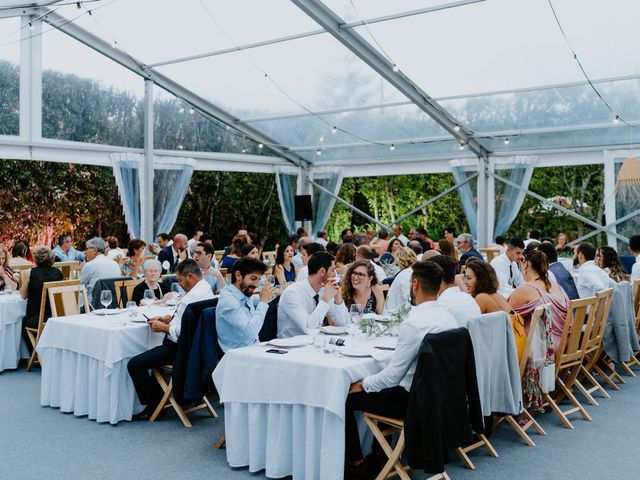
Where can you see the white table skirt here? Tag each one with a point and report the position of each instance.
(84, 364)
(12, 311)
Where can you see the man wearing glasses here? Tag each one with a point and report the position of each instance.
(203, 254)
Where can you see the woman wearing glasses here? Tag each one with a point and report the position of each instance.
(360, 286)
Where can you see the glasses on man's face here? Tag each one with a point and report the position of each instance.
(197, 253)
(359, 275)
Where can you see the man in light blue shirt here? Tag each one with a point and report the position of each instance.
(65, 252)
(239, 314)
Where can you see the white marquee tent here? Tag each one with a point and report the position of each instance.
(346, 88)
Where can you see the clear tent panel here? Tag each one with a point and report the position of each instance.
(313, 73)
(159, 30)
(10, 76)
(502, 44)
(75, 78)
(356, 10)
(397, 124)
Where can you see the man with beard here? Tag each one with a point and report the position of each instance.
(304, 305)
(239, 315)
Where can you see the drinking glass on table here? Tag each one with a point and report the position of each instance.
(148, 298)
(176, 291)
(355, 311)
(105, 298)
(132, 309)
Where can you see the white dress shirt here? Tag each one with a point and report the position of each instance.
(635, 270)
(508, 273)
(115, 253)
(98, 268)
(402, 238)
(428, 317)
(321, 241)
(238, 318)
(200, 291)
(399, 292)
(590, 279)
(302, 274)
(297, 260)
(380, 274)
(460, 304)
(298, 311)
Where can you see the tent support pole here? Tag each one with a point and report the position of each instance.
(147, 168)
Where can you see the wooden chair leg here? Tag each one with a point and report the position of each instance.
(572, 398)
(183, 417)
(626, 368)
(596, 385)
(585, 393)
(210, 408)
(166, 388)
(533, 423)
(519, 430)
(605, 377)
(465, 459)
(554, 406)
(221, 442)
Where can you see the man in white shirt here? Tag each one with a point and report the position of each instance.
(297, 258)
(634, 247)
(398, 294)
(322, 238)
(193, 242)
(590, 277)
(387, 392)
(397, 233)
(98, 265)
(306, 251)
(507, 267)
(460, 304)
(365, 252)
(304, 305)
(149, 393)
(532, 236)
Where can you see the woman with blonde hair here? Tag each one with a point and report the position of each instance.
(405, 257)
(360, 287)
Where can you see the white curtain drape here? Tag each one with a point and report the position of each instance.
(172, 176)
(508, 198)
(331, 179)
(462, 169)
(287, 183)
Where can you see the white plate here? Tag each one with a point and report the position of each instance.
(298, 341)
(377, 318)
(171, 303)
(332, 330)
(354, 352)
(107, 311)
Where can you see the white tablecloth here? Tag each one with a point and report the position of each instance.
(12, 311)
(84, 363)
(285, 413)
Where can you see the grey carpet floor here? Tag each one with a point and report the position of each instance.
(42, 443)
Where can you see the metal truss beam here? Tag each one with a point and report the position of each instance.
(139, 68)
(607, 226)
(362, 49)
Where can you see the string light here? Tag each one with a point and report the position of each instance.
(616, 119)
(392, 147)
(506, 141)
(395, 68)
(260, 145)
(321, 139)
(318, 152)
(334, 129)
(191, 111)
(461, 147)
(115, 45)
(244, 150)
(78, 6)
(457, 128)
(30, 26)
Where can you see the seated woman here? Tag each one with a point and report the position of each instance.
(360, 286)
(393, 246)
(237, 243)
(250, 250)
(6, 274)
(539, 290)
(152, 270)
(19, 254)
(563, 247)
(31, 288)
(345, 256)
(284, 271)
(482, 284)
(405, 257)
(607, 259)
(131, 265)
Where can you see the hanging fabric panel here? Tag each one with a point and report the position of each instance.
(461, 170)
(125, 171)
(508, 198)
(287, 183)
(331, 179)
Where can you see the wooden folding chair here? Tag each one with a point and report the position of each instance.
(219, 254)
(569, 358)
(64, 299)
(168, 400)
(491, 253)
(127, 286)
(393, 466)
(269, 257)
(34, 334)
(531, 422)
(594, 347)
(66, 268)
(635, 359)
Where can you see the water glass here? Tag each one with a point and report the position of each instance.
(338, 278)
(355, 311)
(149, 297)
(271, 279)
(105, 298)
(176, 291)
(132, 309)
(319, 341)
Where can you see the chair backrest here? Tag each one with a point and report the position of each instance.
(581, 313)
(44, 298)
(67, 267)
(64, 299)
(635, 288)
(105, 284)
(269, 257)
(490, 253)
(126, 287)
(602, 306)
(536, 317)
(18, 273)
(219, 254)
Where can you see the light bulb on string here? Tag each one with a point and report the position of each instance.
(616, 119)
(456, 128)
(30, 26)
(506, 141)
(78, 6)
(321, 139)
(244, 150)
(260, 145)
(191, 111)
(318, 152)
(395, 68)
(461, 147)
(334, 129)
(392, 147)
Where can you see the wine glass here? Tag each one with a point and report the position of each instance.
(176, 291)
(132, 309)
(149, 297)
(271, 279)
(338, 277)
(355, 311)
(105, 298)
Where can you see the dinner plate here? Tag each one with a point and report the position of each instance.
(354, 352)
(333, 330)
(171, 303)
(376, 317)
(298, 341)
(107, 311)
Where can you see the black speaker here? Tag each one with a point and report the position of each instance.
(303, 208)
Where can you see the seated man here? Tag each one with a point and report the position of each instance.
(239, 315)
(460, 304)
(466, 249)
(203, 255)
(561, 274)
(634, 247)
(171, 255)
(65, 251)
(387, 392)
(507, 267)
(590, 277)
(365, 252)
(149, 392)
(306, 251)
(98, 265)
(304, 305)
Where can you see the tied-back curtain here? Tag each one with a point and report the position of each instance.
(125, 171)
(462, 169)
(287, 183)
(171, 179)
(508, 198)
(331, 179)
(170, 184)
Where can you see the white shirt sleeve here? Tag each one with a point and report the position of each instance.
(293, 318)
(635, 271)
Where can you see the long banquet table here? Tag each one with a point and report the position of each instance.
(285, 413)
(84, 363)
(12, 311)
